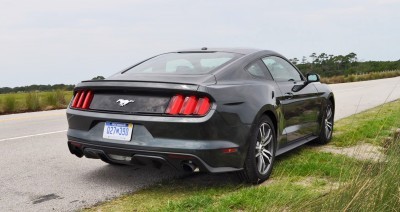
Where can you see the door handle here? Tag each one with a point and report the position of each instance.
(288, 95)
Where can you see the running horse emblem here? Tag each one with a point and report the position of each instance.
(123, 102)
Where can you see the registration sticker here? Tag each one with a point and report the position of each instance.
(118, 131)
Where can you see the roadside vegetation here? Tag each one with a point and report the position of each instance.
(36, 97)
(32, 88)
(306, 179)
(34, 101)
(328, 65)
(360, 77)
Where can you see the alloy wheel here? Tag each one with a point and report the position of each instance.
(264, 148)
(329, 122)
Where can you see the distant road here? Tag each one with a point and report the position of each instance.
(355, 97)
(37, 172)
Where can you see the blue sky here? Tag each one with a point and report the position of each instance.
(54, 41)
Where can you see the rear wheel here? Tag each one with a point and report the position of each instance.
(261, 153)
(327, 125)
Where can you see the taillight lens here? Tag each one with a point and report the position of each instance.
(188, 105)
(76, 99)
(203, 106)
(175, 105)
(82, 99)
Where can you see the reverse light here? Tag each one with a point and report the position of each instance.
(82, 99)
(188, 105)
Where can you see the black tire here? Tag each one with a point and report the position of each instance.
(326, 132)
(253, 170)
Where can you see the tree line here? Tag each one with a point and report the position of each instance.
(37, 88)
(328, 65)
(30, 88)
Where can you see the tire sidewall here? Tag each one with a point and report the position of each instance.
(322, 136)
(251, 159)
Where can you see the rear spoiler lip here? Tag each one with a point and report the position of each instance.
(104, 84)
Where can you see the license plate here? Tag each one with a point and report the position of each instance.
(118, 131)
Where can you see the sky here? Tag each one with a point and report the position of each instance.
(54, 41)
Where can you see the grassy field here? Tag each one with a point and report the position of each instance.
(360, 77)
(306, 179)
(33, 101)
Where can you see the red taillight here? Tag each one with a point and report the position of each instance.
(76, 99)
(203, 106)
(175, 105)
(82, 99)
(88, 100)
(189, 105)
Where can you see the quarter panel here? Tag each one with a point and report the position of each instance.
(245, 101)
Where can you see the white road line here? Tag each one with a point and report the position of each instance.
(35, 135)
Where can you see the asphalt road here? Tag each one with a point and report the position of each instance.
(37, 172)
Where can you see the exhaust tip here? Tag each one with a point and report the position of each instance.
(190, 167)
(74, 149)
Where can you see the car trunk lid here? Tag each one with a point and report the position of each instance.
(132, 96)
(192, 79)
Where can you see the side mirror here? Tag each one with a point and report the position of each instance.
(312, 78)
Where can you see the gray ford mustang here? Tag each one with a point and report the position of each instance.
(211, 110)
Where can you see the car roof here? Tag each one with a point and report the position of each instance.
(244, 51)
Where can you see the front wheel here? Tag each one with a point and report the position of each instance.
(327, 125)
(261, 153)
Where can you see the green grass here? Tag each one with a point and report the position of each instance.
(371, 126)
(224, 192)
(375, 189)
(304, 179)
(9, 103)
(33, 101)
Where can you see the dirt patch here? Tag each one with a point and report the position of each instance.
(321, 184)
(360, 152)
(318, 184)
(268, 182)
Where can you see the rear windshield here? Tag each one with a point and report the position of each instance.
(184, 63)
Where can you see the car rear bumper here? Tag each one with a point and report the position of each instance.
(179, 161)
(172, 141)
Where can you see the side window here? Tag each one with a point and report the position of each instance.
(281, 70)
(257, 69)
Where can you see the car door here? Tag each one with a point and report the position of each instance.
(299, 108)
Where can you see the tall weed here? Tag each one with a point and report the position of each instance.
(51, 99)
(10, 103)
(56, 99)
(32, 101)
(375, 188)
(60, 97)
